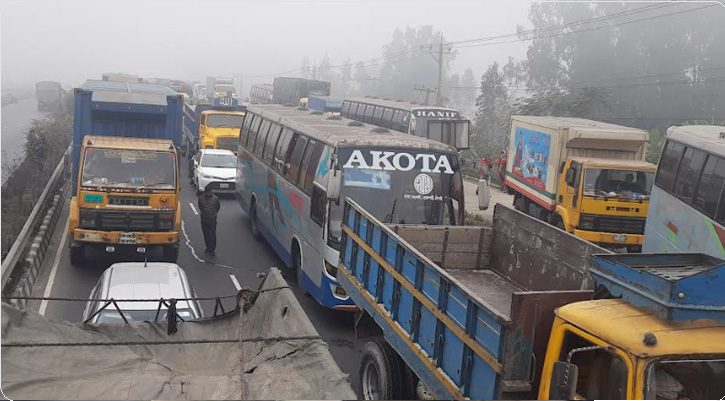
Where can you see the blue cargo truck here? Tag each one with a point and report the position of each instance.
(325, 104)
(125, 169)
(523, 310)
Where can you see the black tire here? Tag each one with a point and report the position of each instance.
(381, 376)
(521, 204)
(297, 265)
(410, 382)
(253, 223)
(170, 253)
(78, 255)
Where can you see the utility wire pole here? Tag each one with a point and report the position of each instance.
(442, 50)
(427, 91)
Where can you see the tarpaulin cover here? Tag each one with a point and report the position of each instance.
(281, 356)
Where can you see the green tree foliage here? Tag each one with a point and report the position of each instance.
(493, 110)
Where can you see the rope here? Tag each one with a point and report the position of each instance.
(170, 342)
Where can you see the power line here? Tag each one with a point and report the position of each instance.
(682, 82)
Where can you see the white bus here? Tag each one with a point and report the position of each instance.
(296, 167)
(687, 206)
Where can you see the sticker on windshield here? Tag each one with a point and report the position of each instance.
(363, 178)
(92, 198)
(423, 184)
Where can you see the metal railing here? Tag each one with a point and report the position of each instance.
(29, 248)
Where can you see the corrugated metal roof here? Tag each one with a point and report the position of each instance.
(122, 142)
(129, 87)
(573, 122)
(336, 130)
(710, 138)
(396, 104)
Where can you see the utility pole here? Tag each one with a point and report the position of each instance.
(427, 91)
(442, 50)
(314, 71)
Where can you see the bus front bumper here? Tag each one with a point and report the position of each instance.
(125, 238)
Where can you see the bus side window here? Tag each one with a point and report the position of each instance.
(309, 165)
(388, 118)
(259, 145)
(378, 115)
(708, 190)
(668, 165)
(294, 159)
(244, 132)
(345, 108)
(280, 153)
(688, 173)
(253, 133)
(369, 113)
(271, 143)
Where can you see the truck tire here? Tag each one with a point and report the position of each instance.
(253, 223)
(521, 204)
(381, 376)
(77, 255)
(170, 253)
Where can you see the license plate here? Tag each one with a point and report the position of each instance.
(620, 237)
(127, 238)
(223, 185)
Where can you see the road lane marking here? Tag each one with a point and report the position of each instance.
(193, 209)
(188, 242)
(54, 269)
(235, 282)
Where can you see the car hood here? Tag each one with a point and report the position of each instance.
(219, 172)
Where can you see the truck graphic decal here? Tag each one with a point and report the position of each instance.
(531, 157)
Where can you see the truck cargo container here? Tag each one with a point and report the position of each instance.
(587, 177)
(289, 91)
(49, 95)
(519, 310)
(324, 104)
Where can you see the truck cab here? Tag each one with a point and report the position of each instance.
(604, 201)
(219, 129)
(127, 197)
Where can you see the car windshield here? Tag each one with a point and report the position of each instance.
(686, 379)
(129, 168)
(218, 160)
(224, 120)
(618, 183)
(402, 193)
(111, 316)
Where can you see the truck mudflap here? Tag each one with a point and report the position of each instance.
(456, 343)
(265, 348)
(677, 287)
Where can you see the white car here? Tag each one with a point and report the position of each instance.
(140, 280)
(216, 168)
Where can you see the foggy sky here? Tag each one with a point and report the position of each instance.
(70, 41)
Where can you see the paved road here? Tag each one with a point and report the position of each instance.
(471, 200)
(238, 255)
(16, 120)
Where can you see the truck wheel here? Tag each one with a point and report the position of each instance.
(170, 253)
(380, 372)
(521, 204)
(78, 255)
(253, 223)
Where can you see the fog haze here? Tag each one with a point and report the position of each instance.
(70, 41)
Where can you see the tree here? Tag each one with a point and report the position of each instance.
(306, 70)
(324, 70)
(493, 111)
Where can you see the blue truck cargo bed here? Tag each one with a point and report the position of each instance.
(138, 110)
(676, 287)
(325, 104)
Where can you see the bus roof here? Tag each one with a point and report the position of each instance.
(710, 138)
(396, 104)
(338, 131)
(123, 142)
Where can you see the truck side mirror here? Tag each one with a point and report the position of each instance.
(334, 182)
(563, 381)
(484, 194)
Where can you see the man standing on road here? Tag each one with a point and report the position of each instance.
(208, 208)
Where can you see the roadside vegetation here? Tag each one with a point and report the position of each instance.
(45, 143)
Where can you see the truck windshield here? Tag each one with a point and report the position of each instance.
(427, 191)
(129, 168)
(224, 121)
(618, 183)
(219, 160)
(224, 88)
(686, 379)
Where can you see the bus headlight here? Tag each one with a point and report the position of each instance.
(87, 219)
(331, 270)
(586, 222)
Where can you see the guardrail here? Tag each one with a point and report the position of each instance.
(20, 266)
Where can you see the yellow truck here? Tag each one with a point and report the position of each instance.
(127, 197)
(586, 177)
(219, 129)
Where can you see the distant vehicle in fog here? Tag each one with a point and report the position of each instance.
(289, 91)
(261, 94)
(120, 77)
(50, 96)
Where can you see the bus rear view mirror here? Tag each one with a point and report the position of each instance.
(334, 181)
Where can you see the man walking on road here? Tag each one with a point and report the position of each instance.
(208, 209)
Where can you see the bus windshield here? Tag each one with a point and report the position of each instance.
(400, 186)
(224, 121)
(618, 183)
(129, 168)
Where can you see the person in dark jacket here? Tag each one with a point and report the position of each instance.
(208, 209)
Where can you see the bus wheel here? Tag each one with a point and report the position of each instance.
(297, 265)
(253, 220)
(380, 372)
(77, 255)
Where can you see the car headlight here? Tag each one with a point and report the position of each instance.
(586, 222)
(208, 177)
(87, 219)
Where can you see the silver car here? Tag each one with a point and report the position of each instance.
(139, 280)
